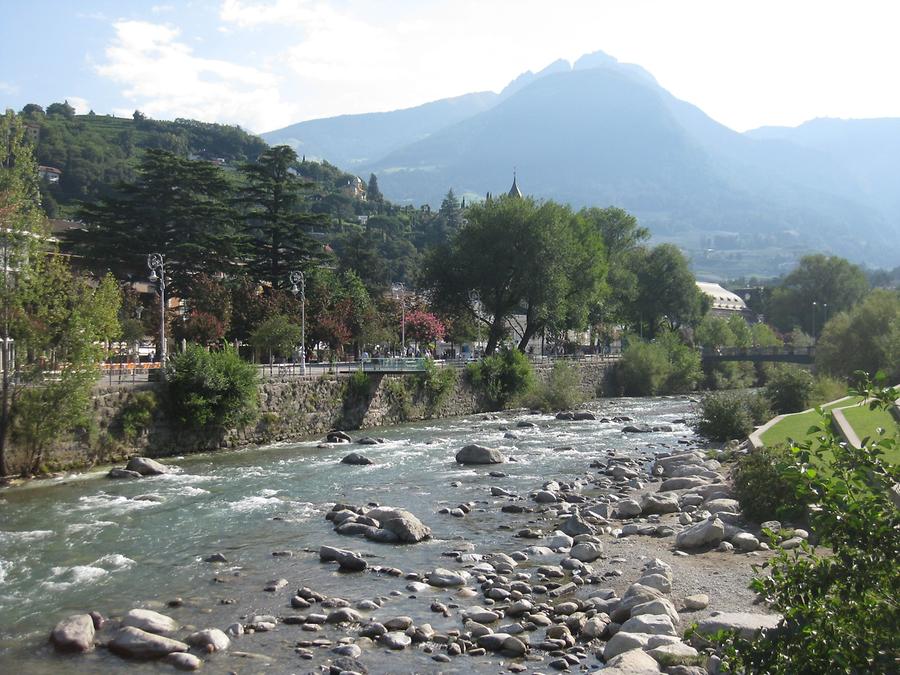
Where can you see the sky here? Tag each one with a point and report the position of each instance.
(265, 64)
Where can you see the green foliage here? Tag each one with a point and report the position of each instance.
(437, 383)
(359, 386)
(398, 397)
(789, 389)
(840, 608)
(865, 338)
(667, 293)
(137, 414)
(278, 336)
(727, 415)
(211, 389)
(764, 487)
(561, 391)
(826, 389)
(663, 367)
(502, 377)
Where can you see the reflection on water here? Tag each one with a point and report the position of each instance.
(86, 543)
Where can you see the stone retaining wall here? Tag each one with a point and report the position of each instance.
(290, 409)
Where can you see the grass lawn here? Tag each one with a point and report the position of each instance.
(865, 422)
(795, 426)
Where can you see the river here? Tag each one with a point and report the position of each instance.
(84, 542)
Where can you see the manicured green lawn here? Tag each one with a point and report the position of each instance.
(865, 422)
(795, 426)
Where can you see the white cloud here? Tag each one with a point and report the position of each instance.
(163, 78)
(81, 105)
(9, 88)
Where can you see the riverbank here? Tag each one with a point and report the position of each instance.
(503, 544)
(134, 420)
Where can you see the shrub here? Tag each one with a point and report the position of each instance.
(789, 390)
(502, 377)
(826, 389)
(437, 383)
(398, 397)
(764, 488)
(359, 386)
(211, 389)
(137, 414)
(561, 391)
(663, 367)
(278, 336)
(840, 610)
(727, 415)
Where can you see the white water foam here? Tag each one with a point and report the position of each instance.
(26, 536)
(254, 503)
(75, 528)
(5, 567)
(114, 503)
(76, 575)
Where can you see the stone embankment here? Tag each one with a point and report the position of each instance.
(289, 409)
(606, 570)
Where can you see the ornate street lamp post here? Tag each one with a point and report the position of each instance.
(295, 278)
(400, 291)
(156, 265)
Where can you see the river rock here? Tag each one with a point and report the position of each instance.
(586, 551)
(443, 578)
(150, 621)
(565, 416)
(676, 653)
(707, 533)
(688, 482)
(661, 606)
(652, 624)
(584, 416)
(658, 503)
(368, 440)
(343, 615)
(575, 525)
(745, 623)
(622, 642)
(146, 466)
(211, 639)
(637, 594)
(395, 640)
(401, 523)
(479, 454)
(347, 560)
(636, 429)
(74, 634)
(627, 508)
(632, 662)
(356, 459)
(183, 661)
(745, 541)
(116, 472)
(696, 602)
(480, 615)
(335, 436)
(135, 643)
(500, 492)
(726, 505)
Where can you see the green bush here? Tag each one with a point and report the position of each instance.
(789, 390)
(398, 397)
(728, 415)
(502, 377)
(764, 487)
(839, 608)
(561, 391)
(826, 389)
(137, 414)
(437, 383)
(359, 386)
(211, 389)
(663, 367)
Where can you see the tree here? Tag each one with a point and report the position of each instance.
(817, 281)
(33, 110)
(61, 110)
(275, 218)
(667, 291)
(210, 296)
(512, 254)
(373, 194)
(423, 326)
(201, 328)
(865, 338)
(278, 336)
(177, 207)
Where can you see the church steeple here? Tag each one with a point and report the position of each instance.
(514, 191)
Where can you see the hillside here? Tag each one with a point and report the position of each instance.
(351, 140)
(94, 152)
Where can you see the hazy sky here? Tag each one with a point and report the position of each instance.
(265, 64)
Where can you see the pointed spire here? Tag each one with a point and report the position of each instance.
(514, 191)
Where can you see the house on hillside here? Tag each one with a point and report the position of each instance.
(355, 188)
(49, 173)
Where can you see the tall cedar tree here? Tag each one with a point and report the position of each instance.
(178, 207)
(276, 220)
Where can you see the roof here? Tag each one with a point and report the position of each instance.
(721, 298)
(49, 169)
(514, 191)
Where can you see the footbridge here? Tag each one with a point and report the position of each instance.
(760, 354)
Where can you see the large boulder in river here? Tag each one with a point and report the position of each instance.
(356, 459)
(150, 621)
(210, 639)
(135, 643)
(117, 472)
(146, 466)
(478, 454)
(74, 634)
(403, 524)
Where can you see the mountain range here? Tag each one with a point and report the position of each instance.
(599, 132)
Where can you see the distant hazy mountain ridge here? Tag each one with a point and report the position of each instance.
(600, 132)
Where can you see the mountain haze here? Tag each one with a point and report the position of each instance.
(606, 133)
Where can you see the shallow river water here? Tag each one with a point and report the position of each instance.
(88, 543)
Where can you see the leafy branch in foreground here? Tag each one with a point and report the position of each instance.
(840, 608)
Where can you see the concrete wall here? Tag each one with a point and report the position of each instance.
(290, 409)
